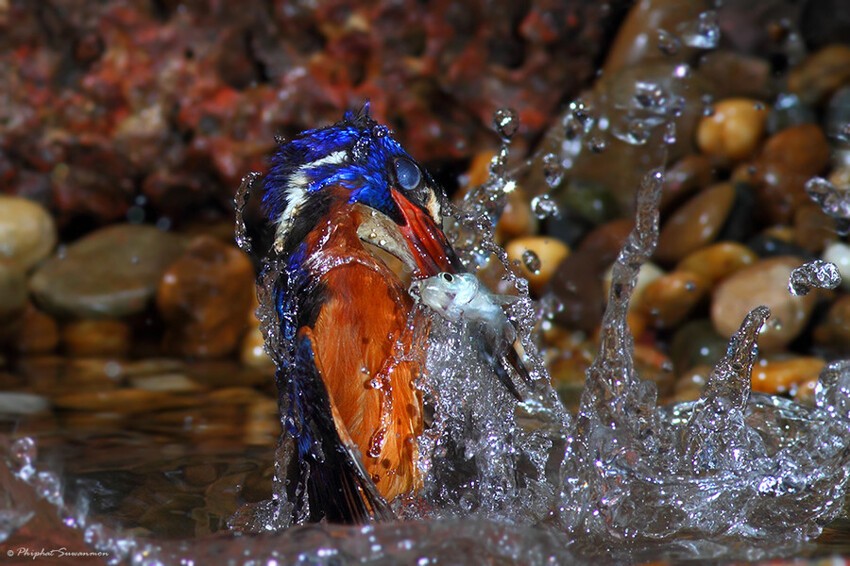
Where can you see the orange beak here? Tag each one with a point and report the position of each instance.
(427, 242)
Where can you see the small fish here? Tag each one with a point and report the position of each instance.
(461, 296)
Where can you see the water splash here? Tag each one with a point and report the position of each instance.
(834, 201)
(704, 33)
(814, 274)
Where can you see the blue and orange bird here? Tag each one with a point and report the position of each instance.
(341, 198)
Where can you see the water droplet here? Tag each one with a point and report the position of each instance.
(668, 43)
(47, 485)
(834, 201)
(814, 274)
(506, 122)
(670, 133)
(704, 33)
(552, 170)
(23, 451)
(531, 261)
(597, 144)
(544, 206)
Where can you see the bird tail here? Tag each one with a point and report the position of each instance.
(326, 478)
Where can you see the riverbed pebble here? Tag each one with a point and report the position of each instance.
(27, 232)
(537, 258)
(112, 272)
(203, 297)
(733, 130)
(763, 283)
(696, 223)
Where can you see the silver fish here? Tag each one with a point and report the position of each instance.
(461, 296)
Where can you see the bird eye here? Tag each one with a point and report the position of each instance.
(448, 277)
(407, 173)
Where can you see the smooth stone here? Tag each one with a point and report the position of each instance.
(696, 223)
(546, 254)
(27, 232)
(216, 374)
(172, 382)
(718, 261)
(13, 403)
(696, 343)
(839, 254)
(110, 273)
(235, 396)
(690, 174)
(126, 401)
(813, 229)
(734, 129)
(637, 38)
(821, 74)
(96, 338)
(204, 297)
(784, 375)
(13, 291)
(670, 298)
(576, 282)
(801, 149)
(764, 283)
(53, 375)
(252, 352)
(834, 331)
(37, 333)
(736, 74)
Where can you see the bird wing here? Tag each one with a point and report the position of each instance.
(337, 487)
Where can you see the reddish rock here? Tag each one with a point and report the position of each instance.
(204, 297)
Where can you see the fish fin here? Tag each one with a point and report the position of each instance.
(338, 489)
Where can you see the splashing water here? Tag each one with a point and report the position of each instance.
(704, 33)
(834, 201)
(814, 274)
(524, 481)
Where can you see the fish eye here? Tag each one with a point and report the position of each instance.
(448, 277)
(407, 173)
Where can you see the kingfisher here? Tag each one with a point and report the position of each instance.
(355, 219)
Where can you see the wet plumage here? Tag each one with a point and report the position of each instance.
(348, 203)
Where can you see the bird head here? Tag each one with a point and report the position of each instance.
(359, 162)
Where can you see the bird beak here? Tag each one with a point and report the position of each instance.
(428, 244)
(418, 241)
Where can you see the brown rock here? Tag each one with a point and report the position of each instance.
(690, 174)
(27, 232)
(734, 129)
(37, 333)
(203, 297)
(669, 299)
(821, 74)
(122, 401)
(813, 229)
(785, 375)
(13, 291)
(716, 262)
(92, 338)
(764, 283)
(537, 257)
(834, 331)
(696, 223)
(577, 282)
(788, 160)
(110, 273)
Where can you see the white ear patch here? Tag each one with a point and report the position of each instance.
(296, 195)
